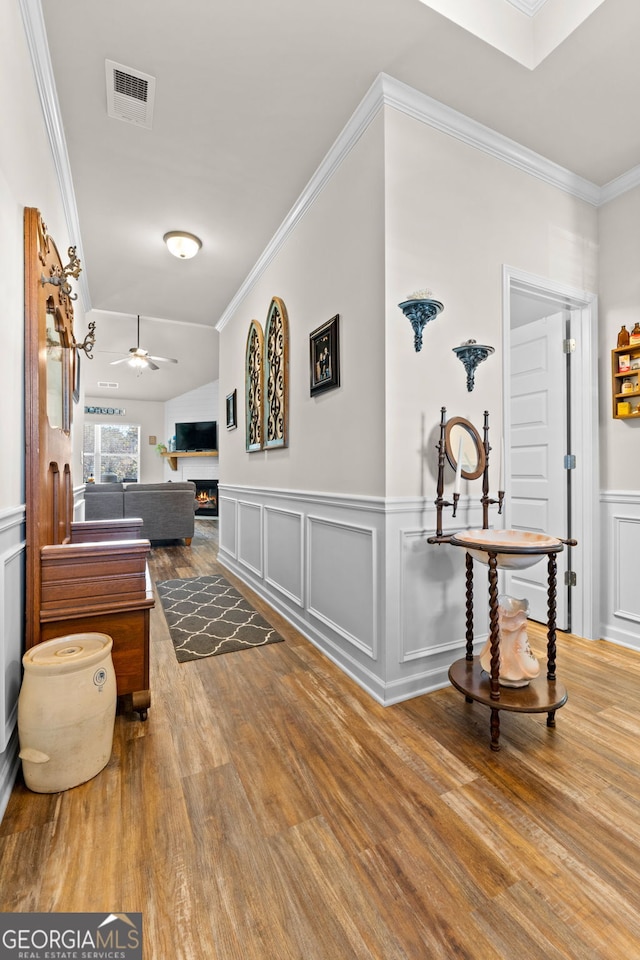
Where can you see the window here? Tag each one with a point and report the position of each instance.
(111, 448)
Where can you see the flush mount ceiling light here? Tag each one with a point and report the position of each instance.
(182, 245)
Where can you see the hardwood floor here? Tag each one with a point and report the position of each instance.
(270, 810)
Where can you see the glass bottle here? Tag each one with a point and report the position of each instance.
(634, 338)
(623, 337)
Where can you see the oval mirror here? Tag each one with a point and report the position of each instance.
(463, 440)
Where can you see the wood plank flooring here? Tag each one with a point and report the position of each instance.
(270, 810)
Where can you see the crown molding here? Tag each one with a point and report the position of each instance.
(421, 107)
(365, 112)
(386, 91)
(43, 71)
(530, 7)
(622, 184)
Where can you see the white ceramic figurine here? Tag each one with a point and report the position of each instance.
(517, 663)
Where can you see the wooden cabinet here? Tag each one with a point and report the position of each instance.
(621, 371)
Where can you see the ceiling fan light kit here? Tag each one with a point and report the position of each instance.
(141, 359)
(182, 245)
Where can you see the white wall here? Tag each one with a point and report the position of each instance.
(27, 178)
(454, 216)
(150, 417)
(332, 264)
(199, 404)
(619, 224)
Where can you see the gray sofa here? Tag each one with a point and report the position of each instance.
(167, 510)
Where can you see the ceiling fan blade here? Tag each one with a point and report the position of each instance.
(152, 366)
(163, 359)
(122, 360)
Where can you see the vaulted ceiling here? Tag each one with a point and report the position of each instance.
(249, 97)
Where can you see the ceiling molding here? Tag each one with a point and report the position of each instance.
(622, 184)
(530, 7)
(41, 61)
(435, 114)
(386, 91)
(366, 111)
(527, 39)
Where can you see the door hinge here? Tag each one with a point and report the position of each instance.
(569, 345)
(570, 578)
(569, 461)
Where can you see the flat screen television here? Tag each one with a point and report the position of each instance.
(201, 435)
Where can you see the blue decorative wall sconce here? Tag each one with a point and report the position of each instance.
(419, 310)
(471, 354)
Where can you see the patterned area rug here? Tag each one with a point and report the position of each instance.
(207, 617)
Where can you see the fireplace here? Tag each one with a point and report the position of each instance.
(206, 498)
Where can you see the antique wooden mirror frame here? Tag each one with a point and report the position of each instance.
(459, 432)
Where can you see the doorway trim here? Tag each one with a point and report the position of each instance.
(585, 517)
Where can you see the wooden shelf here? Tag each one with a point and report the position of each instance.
(617, 376)
(172, 456)
(539, 696)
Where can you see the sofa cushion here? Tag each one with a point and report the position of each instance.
(104, 501)
(167, 509)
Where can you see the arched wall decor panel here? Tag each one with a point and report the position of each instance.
(276, 342)
(267, 381)
(254, 382)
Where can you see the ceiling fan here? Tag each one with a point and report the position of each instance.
(142, 358)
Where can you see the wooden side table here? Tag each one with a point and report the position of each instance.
(544, 694)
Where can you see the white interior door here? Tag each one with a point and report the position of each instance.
(538, 488)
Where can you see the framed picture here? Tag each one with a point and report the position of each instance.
(232, 412)
(324, 360)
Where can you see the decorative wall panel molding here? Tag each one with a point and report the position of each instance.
(431, 597)
(250, 536)
(284, 552)
(627, 550)
(342, 582)
(227, 525)
(343, 570)
(12, 641)
(12, 605)
(620, 548)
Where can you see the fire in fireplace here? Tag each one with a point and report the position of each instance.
(206, 498)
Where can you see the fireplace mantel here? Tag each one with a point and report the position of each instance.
(173, 455)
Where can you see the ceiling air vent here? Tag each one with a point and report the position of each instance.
(107, 384)
(130, 94)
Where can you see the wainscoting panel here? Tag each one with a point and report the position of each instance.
(227, 525)
(12, 607)
(627, 545)
(620, 549)
(250, 536)
(283, 552)
(356, 576)
(432, 593)
(341, 580)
